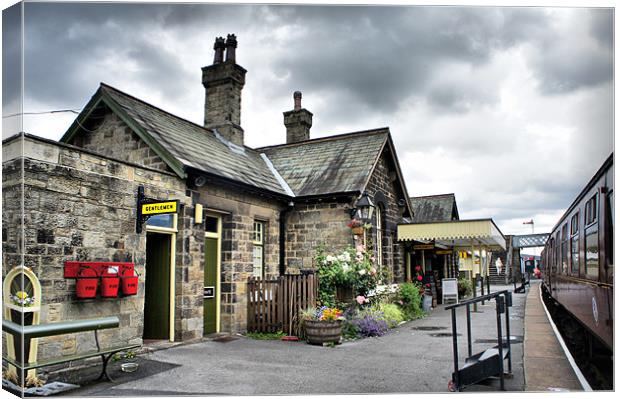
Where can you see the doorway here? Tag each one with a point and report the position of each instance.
(212, 259)
(157, 286)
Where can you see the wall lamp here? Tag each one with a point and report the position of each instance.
(363, 210)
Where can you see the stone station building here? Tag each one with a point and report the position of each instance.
(242, 212)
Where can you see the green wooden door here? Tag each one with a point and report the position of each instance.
(210, 286)
(157, 287)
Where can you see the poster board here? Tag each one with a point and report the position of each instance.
(449, 289)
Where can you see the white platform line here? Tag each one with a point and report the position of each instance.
(582, 380)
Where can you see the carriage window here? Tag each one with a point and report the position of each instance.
(591, 210)
(565, 249)
(592, 252)
(574, 244)
(558, 253)
(609, 239)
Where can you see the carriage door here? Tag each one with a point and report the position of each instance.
(211, 291)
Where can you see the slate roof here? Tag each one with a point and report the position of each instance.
(335, 164)
(434, 208)
(194, 146)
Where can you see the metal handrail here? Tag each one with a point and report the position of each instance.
(64, 327)
(503, 301)
(477, 299)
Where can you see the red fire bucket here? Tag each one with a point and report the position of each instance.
(109, 286)
(86, 285)
(129, 284)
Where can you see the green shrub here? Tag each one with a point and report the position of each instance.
(464, 288)
(391, 314)
(411, 299)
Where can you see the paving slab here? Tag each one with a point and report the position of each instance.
(545, 363)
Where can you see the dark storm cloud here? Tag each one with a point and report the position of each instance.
(564, 63)
(602, 26)
(71, 38)
(11, 60)
(406, 45)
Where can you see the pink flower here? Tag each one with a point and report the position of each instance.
(373, 271)
(419, 278)
(418, 268)
(361, 299)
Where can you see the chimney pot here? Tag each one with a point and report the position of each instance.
(231, 45)
(297, 100)
(219, 47)
(297, 122)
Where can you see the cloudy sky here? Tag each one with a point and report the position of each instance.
(509, 108)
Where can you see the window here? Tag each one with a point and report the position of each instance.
(211, 223)
(574, 244)
(565, 249)
(379, 216)
(591, 210)
(558, 253)
(166, 221)
(609, 236)
(592, 251)
(258, 239)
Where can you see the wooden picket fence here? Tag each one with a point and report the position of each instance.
(274, 305)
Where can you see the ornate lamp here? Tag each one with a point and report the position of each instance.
(364, 208)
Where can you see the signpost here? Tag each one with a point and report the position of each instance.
(147, 207)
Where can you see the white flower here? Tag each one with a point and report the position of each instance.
(362, 272)
(346, 267)
(330, 258)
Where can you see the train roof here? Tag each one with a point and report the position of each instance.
(602, 170)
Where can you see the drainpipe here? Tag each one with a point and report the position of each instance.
(283, 214)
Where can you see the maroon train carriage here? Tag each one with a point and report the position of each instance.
(578, 269)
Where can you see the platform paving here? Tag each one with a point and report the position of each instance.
(545, 364)
(414, 357)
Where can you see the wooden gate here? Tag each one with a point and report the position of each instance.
(273, 305)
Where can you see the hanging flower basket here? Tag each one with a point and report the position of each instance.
(358, 231)
(319, 332)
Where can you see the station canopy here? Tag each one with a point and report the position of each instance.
(455, 233)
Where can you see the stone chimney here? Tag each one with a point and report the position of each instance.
(223, 82)
(298, 122)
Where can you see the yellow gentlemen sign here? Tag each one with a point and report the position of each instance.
(157, 208)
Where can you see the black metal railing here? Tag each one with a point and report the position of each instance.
(503, 301)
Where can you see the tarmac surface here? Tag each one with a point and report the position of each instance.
(414, 357)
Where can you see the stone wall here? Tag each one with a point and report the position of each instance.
(311, 224)
(239, 209)
(113, 138)
(382, 188)
(81, 206)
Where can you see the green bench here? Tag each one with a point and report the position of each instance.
(67, 327)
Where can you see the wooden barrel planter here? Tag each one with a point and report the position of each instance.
(321, 332)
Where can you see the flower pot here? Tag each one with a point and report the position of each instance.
(358, 231)
(321, 332)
